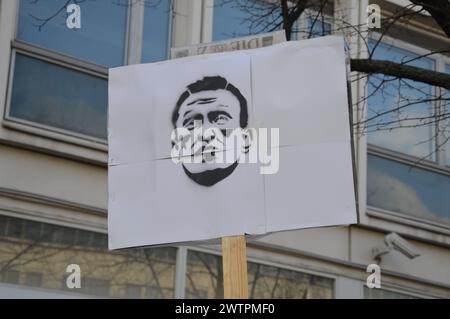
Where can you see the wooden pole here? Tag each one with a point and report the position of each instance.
(234, 261)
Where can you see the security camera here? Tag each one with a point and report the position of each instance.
(394, 241)
(398, 243)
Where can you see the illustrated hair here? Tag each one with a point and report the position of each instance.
(212, 83)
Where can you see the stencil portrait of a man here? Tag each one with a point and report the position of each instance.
(220, 111)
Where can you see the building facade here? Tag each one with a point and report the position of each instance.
(53, 159)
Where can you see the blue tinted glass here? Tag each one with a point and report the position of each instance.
(414, 138)
(401, 188)
(318, 28)
(52, 95)
(446, 127)
(240, 18)
(156, 31)
(101, 38)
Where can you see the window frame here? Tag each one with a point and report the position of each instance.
(400, 290)
(63, 142)
(439, 63)
(357, 275)
(60, 61)
(89, 227)
(442, 65)
(63, 60)
(258, 260)
(437, 165)
(300, 24)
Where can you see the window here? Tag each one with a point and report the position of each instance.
(101, 38)
(318, 27)
(33, 279)
(273, 282)
(94, 287)
(64, 98)
(240, 18)
(205, 280)
(312, 24)
(396, 187)
(405, 173)
(10, 276)
(40, 260)
(374, 293)
(446, 122)
(399, 100)
(156, 30)
(59, 75)
(156, 292)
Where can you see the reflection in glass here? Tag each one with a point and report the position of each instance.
(446, 124)
(42, 261)
(156, 30)
(101, 38)
(272, 282)
(241, 18)
(409, 190)
(318, 28)
(59, 97)
(403, 96)
(205, 280)
(204, 277)
(375, 293)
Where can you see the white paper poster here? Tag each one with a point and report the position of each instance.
(245, 142)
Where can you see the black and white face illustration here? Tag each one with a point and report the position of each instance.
(221, 111)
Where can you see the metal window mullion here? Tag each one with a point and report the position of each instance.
(135, 32)
(208, 21)
(439, 127)
(59, 59)
(180, 273)
(302, 25)
(170, 28)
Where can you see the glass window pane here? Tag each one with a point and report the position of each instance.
(10, 276)
(14, 230)
(59, 97)
(241, 18)
(33, 279)
(101, 38)
(273, 282)
(371, 293)
(133, 291)
(156, 30)
(3, 225)
(409, 190)
(318, 28)
(446, 125)
(396, 102)
(93, 286)
(204, 277)
(205, 280)
(42, 262)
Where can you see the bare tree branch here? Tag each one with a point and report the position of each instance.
(401, 70)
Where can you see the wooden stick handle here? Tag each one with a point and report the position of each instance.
(234, 261)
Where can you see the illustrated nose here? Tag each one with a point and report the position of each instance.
(209, 134)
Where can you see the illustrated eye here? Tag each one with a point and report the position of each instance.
(190, 122)
(221, 119)
(189, 125)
